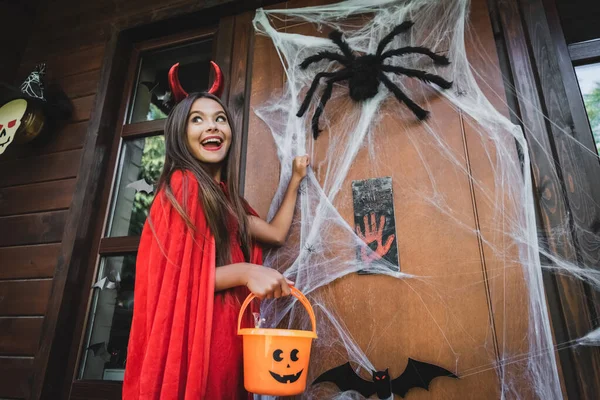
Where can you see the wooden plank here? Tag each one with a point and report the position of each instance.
(82, 107)
(48, 196)
(79, 85)
(27, 229)
(549, 187)
(24, 297)
(20, 336)
(240, 89)
(65, 137)
(15, 373)
(80, 38)
(94, 390)
(577, 161)
(44, 168)
(142, 129)
(55, 361)
(119, 245)
(585, 52)
(67, 61)
(37, 261)
(222, 52)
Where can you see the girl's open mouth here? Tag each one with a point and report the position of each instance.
(212, 143)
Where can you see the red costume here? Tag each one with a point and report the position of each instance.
(183, 342)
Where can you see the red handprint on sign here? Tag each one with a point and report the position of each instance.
(373, 233)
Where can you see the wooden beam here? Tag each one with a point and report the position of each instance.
(240, 90)
(114, 246)
(47, 227)
(16, 376)
(585, 52)
(35, 261)
(36, 197)
(536, 78)
(40, 169)
(57, 332)
(20, 336)
(24, 297)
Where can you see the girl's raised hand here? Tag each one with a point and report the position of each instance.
(299, 166)
(267, 283)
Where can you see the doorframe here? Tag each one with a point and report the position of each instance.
(530, 38)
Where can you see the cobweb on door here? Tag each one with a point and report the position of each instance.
(326, 249)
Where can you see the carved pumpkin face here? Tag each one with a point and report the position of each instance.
(10, 120)
(285, 367)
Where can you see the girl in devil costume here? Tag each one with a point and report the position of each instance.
(198, 259)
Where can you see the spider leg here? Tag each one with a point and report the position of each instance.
(414, 107)
(403, 27)
(324, 55)
(415, 73)
(324, 99)
(336, 37)
(438, 59)
(313, 87)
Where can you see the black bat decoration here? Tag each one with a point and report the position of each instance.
(417, 374)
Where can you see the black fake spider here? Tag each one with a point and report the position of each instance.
(364, 73)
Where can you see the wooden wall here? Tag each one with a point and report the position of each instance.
(36, 188)
(42, 188)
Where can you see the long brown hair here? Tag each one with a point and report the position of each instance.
(217, 208)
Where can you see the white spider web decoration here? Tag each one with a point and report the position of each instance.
(326, 247)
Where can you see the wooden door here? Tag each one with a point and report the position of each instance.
(473, 312)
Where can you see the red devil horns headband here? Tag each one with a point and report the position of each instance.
(180, 94)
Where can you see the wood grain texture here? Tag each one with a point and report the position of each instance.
(579, 161)
(222, 51)
(47, 227)
(429, 243)
(50, 370)
(24, 297)
(239, 94)
(113, 246)
(36, 197)
(546, 144)
(585, 52)
(82, 107)
(80, 84)
(142, 129)
(35, 261)
(66, 61)
(65, 137)
(47, 167)
(20, 336)
(16, 377)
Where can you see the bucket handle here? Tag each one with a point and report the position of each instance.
(297, 294)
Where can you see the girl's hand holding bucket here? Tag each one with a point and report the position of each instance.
(266, 283)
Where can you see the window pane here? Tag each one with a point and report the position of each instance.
(152, 96)
(105, 347)
(589, 84)
(140, 167)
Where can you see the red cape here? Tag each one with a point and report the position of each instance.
(169, 343)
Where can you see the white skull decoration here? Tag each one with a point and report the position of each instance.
(10, 119)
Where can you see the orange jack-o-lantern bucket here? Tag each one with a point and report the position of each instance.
(276, 360)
